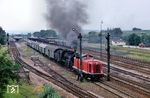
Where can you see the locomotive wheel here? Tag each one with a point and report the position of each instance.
(87, 77)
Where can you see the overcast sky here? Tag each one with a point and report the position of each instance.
(29, 15)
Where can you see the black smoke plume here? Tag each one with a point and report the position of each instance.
(63, 15)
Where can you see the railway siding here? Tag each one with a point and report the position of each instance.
(70, 87)
(113, 90)
(123, 95)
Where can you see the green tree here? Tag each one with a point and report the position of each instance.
(2, 36)
(143, 36)
(134, 39)
(7, 69)
(48, 92)
(147, 39)
(116, 32)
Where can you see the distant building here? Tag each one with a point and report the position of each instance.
(18, 38)
(141, 45)
(144, 45)
(118, 42)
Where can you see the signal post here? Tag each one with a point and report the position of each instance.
(108, 56)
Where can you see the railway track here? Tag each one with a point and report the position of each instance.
(121, 63)
(138, 86)
(53, 77)
(118, 70)
(129, 66)
(142, 77)
(128, 60)
(140, 83)
(117, 86)
(109, 87)
(128, 83)
(114, 90)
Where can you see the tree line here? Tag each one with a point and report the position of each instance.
(95, 37)
(2, 36)
(45, 34)
(135, 39)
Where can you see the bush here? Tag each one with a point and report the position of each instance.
(49, 92)
(7, 69)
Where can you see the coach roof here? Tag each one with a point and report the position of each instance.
(42, 45)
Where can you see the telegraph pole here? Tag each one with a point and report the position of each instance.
(80, 38)
(101, 39)
(108, 56)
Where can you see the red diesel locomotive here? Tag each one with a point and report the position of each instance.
(91, 68)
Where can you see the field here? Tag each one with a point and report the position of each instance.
(134, 52)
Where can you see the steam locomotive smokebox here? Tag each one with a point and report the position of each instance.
(67, 58)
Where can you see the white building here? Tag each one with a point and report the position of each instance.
(118, 42)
